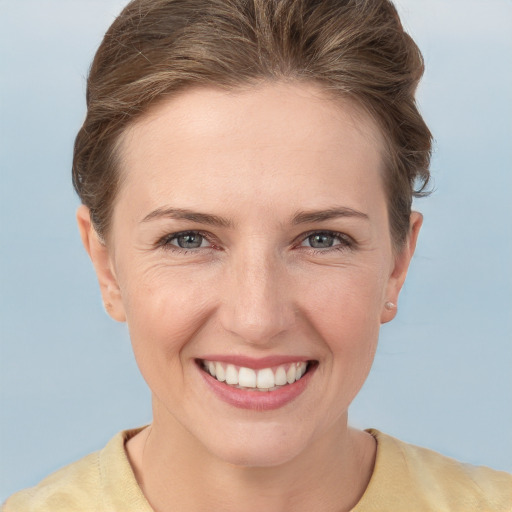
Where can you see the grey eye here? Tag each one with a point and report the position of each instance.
(189, 240)
(321, 240)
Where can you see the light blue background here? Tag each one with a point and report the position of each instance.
(442, 377)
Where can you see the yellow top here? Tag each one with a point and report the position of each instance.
(406, 478)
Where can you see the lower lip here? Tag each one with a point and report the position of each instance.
(258, 400)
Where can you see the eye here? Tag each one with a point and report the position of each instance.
(321, 240)
(185, 240)
(327, 240)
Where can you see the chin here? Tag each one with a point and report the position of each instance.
(271, 445)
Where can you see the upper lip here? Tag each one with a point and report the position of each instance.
(255, 363)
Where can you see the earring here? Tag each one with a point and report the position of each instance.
(390, 305)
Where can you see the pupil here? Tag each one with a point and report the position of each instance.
(190, 241)
(321, 241)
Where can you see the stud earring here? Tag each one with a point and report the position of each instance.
(390, 305)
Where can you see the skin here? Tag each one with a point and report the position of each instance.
(254, 158)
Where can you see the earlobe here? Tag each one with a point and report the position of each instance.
(100, 257)
(401, 266)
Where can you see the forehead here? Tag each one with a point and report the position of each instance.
(258, 140)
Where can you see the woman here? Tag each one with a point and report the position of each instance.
(246, 171)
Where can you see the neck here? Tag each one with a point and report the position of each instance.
(176, 472)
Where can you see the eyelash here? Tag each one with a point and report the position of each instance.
(345, 241)
(165, 241)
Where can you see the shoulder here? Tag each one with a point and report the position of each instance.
(70, 488)
(101, 481)
(431, 481)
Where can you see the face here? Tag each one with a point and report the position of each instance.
(250, 255)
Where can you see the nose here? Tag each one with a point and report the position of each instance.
(257, 305)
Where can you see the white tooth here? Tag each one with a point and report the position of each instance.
(247, 378)
(280, 376)
(265, 379)
(231, 375)
(290, 374)
(301, 370)
(211, 368)
(220, 374)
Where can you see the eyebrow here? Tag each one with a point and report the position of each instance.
(330, 213)
(301, 217)
(184, 214)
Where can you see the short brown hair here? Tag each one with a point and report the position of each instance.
(355, 49)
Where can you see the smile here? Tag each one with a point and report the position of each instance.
(263, 379)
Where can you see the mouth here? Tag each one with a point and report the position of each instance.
(267, 379)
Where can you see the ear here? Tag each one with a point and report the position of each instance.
(399, 271)
(101, 259)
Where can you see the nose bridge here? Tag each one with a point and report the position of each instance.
(257, 304)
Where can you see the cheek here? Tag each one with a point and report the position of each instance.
(345, 311)
(345, 300)
(164, 309)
